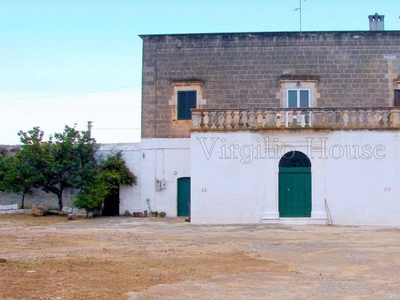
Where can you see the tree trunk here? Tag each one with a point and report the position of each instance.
(60, 202)
(23, 201)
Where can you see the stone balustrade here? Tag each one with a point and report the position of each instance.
(296, 118)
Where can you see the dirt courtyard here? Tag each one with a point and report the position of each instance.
(132, 258)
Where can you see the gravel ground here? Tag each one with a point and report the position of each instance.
(153, 258)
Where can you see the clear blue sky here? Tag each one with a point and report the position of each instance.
(73, 61)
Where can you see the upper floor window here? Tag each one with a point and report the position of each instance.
(186, 101)
(186, 94)
(396, 97)
(298, 98)
(298, 91)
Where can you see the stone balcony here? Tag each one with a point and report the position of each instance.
(355, 118)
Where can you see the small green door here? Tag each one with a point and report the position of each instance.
(295, 186)
(294, 192)
(184, 197)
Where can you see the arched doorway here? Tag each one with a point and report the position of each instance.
(295, 185)
(183, 198)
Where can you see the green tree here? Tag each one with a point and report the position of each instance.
(114, 171)
(100, 181)
(71, 154)
(19, 176)
(67, 160)
(92, 194)
(59, 161)
(19, 173)
(4, 169)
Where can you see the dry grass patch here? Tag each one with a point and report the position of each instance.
(94, 278)
(47, 260)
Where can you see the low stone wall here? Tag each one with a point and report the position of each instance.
(37, 197)
(10, 209)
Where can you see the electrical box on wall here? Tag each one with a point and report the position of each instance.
(163, 184)
(158, 185)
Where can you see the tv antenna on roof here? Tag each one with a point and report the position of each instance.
(299, 9)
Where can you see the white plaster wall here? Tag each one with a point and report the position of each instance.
(235, 175)
(129, 195)
(163, 159)
(229, 187)
(242, 187)
(364, 190)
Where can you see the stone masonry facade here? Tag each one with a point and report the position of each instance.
(244, 71)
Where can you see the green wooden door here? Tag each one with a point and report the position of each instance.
(295, 192)
(184, 197)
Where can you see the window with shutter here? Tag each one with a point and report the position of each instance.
(186, 101)
(396, 97)
(186, 95)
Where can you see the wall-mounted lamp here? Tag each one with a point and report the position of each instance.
(298, 83)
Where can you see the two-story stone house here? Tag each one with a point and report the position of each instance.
(272, 127)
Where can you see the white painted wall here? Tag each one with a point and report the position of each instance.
(163, 159)
(364, 191)
(225, 187)
(234, 175)
(234, 179)
(151, 160)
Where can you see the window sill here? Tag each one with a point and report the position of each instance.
(178, 122)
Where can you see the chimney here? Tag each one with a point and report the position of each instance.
(376, 22)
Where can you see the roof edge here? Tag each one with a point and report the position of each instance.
(274, 33)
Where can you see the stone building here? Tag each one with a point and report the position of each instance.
(272, 127)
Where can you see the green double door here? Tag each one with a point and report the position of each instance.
(295, 192)
(183, 197)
